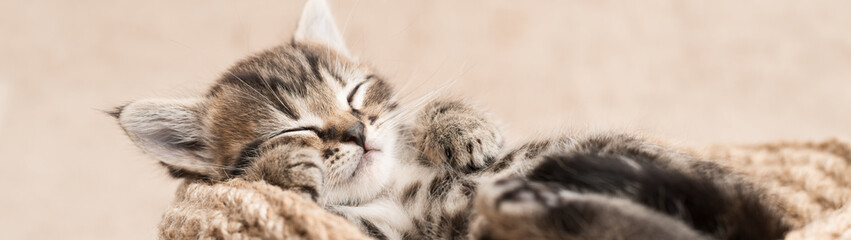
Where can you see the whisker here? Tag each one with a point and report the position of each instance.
(349, 17)
(247, 85)
(405, 85)
(431, 77)
(274, 92)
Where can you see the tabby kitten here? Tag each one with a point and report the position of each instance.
(308, 117)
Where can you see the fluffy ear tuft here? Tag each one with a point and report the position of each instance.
(116, 111)
(317, 25)
(171, 131)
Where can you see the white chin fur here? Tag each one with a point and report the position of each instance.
(370, 180)
(365, 184)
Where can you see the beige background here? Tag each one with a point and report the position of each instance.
(694, 72)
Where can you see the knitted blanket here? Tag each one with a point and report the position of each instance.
(811, 182)
(238, 209)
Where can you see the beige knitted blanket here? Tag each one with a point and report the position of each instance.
(811, 181)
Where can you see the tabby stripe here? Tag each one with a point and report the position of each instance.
(246, 157)
(410, 193)
(267, 89)
(504, 162)
(313, 64)
(303, 164)
(352, 93)
(439, 186)
(372, 230)
(456, 225)
(314, 195)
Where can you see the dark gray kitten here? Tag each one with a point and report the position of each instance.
(309, 118)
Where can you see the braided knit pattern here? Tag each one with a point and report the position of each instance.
(810, 180)
(238, 209)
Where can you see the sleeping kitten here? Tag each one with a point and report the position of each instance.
(307, 117)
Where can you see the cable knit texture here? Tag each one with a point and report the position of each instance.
(811, 181)
(238, 209)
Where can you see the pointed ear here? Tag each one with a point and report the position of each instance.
(317, 25)
(171, 131)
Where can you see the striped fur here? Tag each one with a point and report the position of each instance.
(306, 117)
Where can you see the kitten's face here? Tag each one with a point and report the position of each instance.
(312, 91)
(309, 88)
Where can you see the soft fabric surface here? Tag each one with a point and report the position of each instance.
(249, 210)
(810, 180)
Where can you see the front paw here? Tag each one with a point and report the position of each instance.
(292, 163)
(452, 134)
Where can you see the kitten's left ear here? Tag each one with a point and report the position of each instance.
(317, 25)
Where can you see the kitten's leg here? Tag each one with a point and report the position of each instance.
(519, 209)
(706, 195)
(454, 135)
(292, 163)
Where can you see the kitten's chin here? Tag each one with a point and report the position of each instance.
(370, 177)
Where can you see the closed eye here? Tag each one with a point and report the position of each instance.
(355, 90)
(298, 130)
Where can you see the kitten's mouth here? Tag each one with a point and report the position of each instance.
(370, 150)
(369, 156)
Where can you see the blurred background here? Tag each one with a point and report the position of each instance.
(690, 72)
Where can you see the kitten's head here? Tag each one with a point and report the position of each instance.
(309, 88)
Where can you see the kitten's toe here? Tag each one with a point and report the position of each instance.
(292, 163)
(509, 209)
(470, 150)
(517, 197)
(466, 148)
(454, 135)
